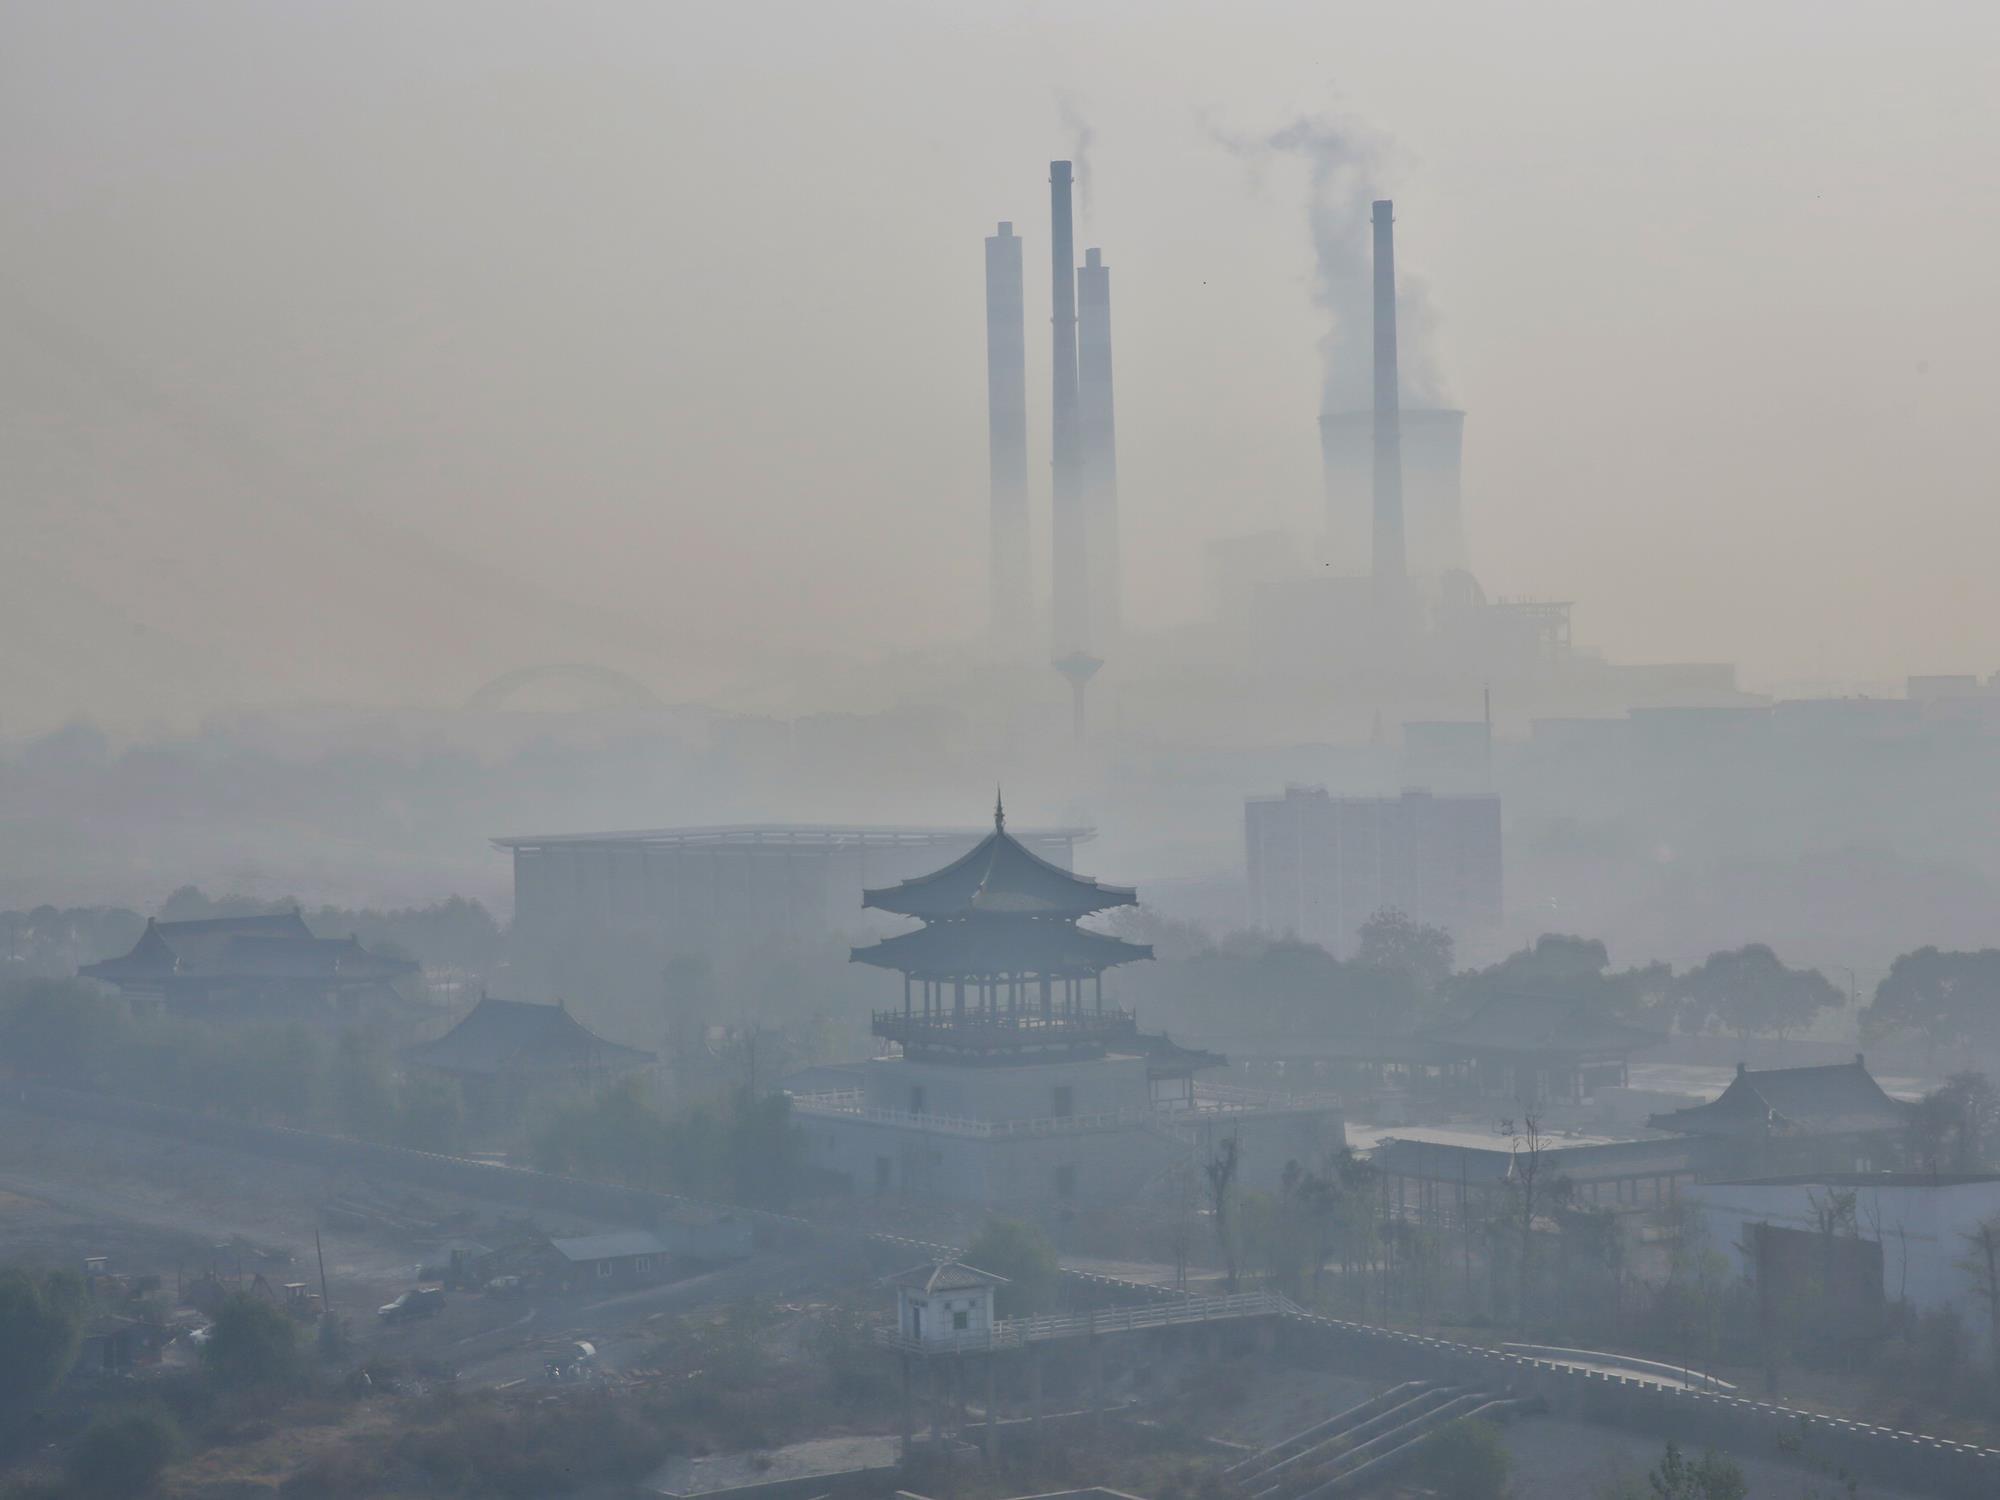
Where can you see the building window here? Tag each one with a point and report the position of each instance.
(643, 1264)
(1066, 1181)
(960, 1321)
(916, 1098)
(1065, 1101)
(884, 1173)
(604, 1270)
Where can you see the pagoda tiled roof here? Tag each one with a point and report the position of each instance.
(224, 950)
(515, 1036)
(1000, 876)
(1841, 1099)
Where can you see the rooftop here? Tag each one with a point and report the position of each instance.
(1841, 1099)
(611, 1245)
(513, 1036)
(242, 949)
(780, 837)
(945, 1276)
(1000, 876)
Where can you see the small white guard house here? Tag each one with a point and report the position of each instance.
(945, 1302)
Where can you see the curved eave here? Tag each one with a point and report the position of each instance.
(923, 957)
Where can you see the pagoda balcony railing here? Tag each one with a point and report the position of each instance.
(1000, 1028)
(852, 1105)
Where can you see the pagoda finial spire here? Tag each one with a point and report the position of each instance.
(999, 812)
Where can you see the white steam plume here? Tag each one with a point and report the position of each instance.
(1082, 135)
(1346, 164)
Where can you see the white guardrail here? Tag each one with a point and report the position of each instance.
(851, 1104)
(1012, 1333)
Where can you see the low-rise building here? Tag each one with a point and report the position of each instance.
(1790, 1120)
(507, 1054)
(618, 1258)
(945, 1303)
(1442, 1183)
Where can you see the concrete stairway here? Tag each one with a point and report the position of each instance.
(1360, 1445)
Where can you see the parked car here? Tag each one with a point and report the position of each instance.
(417, 1302)
(504, 1286)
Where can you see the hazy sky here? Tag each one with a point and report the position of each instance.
(674, 310)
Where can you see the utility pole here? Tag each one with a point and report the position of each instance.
(325, 1302)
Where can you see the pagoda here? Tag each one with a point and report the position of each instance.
(1000, 971)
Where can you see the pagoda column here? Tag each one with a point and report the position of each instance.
(906, 996)
(958, 998)
(1048, 1001)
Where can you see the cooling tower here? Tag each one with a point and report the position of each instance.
(1433, 520)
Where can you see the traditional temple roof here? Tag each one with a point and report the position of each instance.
(1000, 876)
(514, 1036)
(1542, 1025)
(953, 949)
(224, 950)
(1842, 1099)
(945, 1276)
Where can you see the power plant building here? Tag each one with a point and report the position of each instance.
(1321, 866)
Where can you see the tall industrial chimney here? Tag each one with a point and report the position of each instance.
(1069, 580)
(1007, 439)
(1100, 447)
(1390, 562)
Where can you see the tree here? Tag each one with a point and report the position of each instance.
(1710, 1477)
(1748, 992)
(1220, 1170)
(1391, 940)
(123, 1453)
(1466, 1460)
(253, 1343)
(1566, 968)
(1533, 1192)
(1982, 1264)
(1022, 1253)
(40, 1322)
(1951, 1000)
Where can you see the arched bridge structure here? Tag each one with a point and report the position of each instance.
(624, 690)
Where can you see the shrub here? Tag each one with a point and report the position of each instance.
(254, 1343)
(40, 1321)
(1021, 1253)
(124, 1452)
(1467, 1460)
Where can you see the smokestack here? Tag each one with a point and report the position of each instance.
(1430, 441)
(1390, 563)
(1068, 574)
(1100, 446)
(1007, 438)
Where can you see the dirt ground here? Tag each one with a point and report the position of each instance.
(170, 1208)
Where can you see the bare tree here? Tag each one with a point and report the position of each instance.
(1221, 1173)
(1528, 1143)
(1983, 1265)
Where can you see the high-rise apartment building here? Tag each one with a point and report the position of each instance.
(1321, 866)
